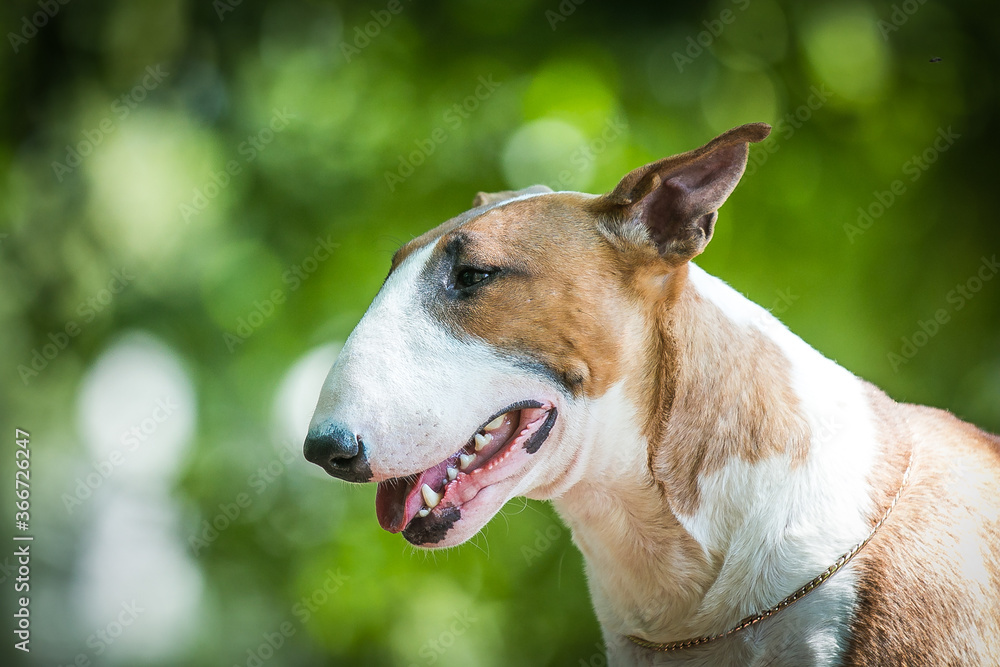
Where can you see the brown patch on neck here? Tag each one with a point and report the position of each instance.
(896, 443)
(658, 389)
(725, 392)
(664, 346)
(922, 578)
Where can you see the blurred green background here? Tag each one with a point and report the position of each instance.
(199, 200)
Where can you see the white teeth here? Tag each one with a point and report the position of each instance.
(495, 424)
(452, 473)
(431, 499)
(465, 460)
(483, 439)
(424, 512)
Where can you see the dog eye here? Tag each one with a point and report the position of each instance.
(467, 277)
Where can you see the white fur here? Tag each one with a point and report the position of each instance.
(771, 521)
(413, 391)
(416, 393)
(616, 516)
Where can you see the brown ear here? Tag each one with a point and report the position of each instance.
(673, 201)
(483, 198)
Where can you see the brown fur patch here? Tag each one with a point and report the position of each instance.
(480, 203)
(594, 311)
(556, 299)
(733, 399)
(929, 590)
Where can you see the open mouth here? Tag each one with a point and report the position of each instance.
(426, 504)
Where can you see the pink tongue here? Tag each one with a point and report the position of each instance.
(396, 503)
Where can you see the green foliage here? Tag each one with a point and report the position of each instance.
(259, 181)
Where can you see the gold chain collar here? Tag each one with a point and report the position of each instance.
(797, 595)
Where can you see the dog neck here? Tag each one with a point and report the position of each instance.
(747, 477)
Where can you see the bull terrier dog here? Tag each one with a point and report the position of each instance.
(739, 499)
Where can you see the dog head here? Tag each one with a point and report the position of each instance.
(480, 370)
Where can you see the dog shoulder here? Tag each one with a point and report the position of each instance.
(929, 582)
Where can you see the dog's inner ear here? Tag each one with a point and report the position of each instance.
(483, 198)
(674, 201)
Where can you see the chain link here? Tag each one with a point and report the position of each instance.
(797, 595)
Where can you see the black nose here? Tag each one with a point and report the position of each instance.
(338, 451)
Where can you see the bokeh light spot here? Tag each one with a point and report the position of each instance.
(548, 151)
(738, 98)
(843, 46)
